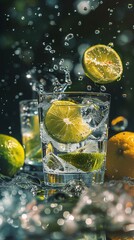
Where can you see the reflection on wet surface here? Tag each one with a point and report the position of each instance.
(29, 209)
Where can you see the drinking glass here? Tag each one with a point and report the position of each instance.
(74, 133)
(29, 121)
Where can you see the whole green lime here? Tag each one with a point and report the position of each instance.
(11, 155)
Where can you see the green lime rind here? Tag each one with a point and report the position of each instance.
(86, 162)
(11, 155)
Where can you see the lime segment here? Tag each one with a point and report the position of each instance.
(102, 64)
(64, 122)
(86, 162)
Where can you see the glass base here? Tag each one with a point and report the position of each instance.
(60, 180)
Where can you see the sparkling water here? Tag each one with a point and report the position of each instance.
(58, 171)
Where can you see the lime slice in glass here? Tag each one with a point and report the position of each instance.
(64, 123)
(86, 162)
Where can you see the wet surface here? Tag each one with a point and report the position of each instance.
(28, 209)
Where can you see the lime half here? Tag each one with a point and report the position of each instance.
(64, 122)
(102, 64)
(86, 162)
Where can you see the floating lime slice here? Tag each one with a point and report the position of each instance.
(102, 64)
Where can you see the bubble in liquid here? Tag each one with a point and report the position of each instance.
(119, 124)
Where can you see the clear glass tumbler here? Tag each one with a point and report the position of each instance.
(30, 132)
(74, 133)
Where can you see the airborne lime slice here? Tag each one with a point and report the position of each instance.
(86, 162)
(64, 123)
(102, 64)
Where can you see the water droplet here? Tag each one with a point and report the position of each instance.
(89, 87)
(127, 63)
(55, 67)
(119, 124)
(80, 78)
(22, 18)
(124, 95)
(46, 34)
(30, 23)
(50, 70)
(83, 7)
(66, 44)
(61, 61)
(130, 5)
(111, 44)
(48, 48)
(69, 36)
(97, 31)
(40, 15)
(103, 88)
(79, 23)
(52, 51)
(56, 6)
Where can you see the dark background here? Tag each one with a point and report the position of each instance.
(33, 41)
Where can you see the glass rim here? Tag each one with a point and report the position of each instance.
(103, 94)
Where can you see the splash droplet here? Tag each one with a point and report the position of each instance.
(130, 5)
(119, 124)
(103, 88)
(89, 87)
(69, 36)
(111, 44)
(97, 31)
(80, 78)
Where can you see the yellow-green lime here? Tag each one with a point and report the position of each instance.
(64, 122)
(86, 162)
(102, 64)
(11, 155)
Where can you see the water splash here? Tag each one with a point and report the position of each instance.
(67, 212)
